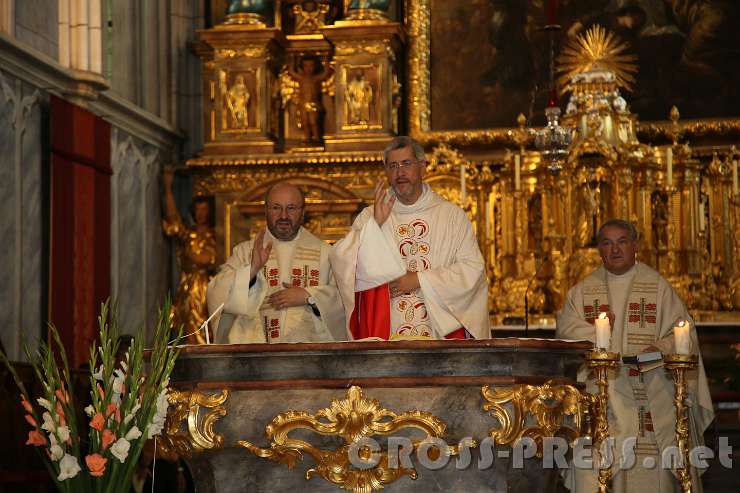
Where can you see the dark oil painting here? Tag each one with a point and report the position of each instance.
(490, 58)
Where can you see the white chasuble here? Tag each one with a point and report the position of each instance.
(248, 318)
(432, 237)
(640, 403)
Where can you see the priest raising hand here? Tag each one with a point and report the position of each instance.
(278, 287)
(383, 203)
(260, 254)
(410, 265)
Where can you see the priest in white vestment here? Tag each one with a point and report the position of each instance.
(410, 266)
(643, 309)
(278, 287)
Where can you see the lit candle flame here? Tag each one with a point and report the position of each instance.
(602, 315)
(682, 323)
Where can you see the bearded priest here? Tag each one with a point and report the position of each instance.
(278, 287)
(410, 266)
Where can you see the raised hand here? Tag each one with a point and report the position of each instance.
(383, 205)
(260, 254)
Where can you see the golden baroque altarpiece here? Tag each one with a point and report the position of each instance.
(361, 78)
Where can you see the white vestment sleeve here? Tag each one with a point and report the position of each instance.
(332, 319)
(377, 259)
(239, 320)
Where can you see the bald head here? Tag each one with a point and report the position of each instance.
(284, 207)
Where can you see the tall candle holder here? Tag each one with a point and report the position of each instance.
(600, 362)
(678, 365)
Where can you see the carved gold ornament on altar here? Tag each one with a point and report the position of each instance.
(198, 435)
(353, 419)
(557, 411)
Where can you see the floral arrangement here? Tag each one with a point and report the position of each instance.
(128, 405)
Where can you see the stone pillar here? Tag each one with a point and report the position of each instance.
(366, 83)
(239, 73)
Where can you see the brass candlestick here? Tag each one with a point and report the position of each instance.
(600, 362)
(678, 365)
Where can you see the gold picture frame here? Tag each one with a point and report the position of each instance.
(418, 26)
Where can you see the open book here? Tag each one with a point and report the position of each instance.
(644, 361)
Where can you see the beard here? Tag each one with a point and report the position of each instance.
(283, 229)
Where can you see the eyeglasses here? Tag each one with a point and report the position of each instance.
(277, 209)
(396, 165)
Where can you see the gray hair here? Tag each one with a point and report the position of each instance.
(282, 184)
(618, 223)
(401, 142)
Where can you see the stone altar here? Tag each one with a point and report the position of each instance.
(226, 395)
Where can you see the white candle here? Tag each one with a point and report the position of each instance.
(701, 216)
(603, 331)
(517, 170)
(681, 337)
(463, 192)
(734, 178)
(669, 166)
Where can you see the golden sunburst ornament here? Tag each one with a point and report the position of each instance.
(598, 49)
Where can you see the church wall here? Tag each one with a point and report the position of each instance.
(139, 257)
(22, 218)
(37, 25)
(155, 119)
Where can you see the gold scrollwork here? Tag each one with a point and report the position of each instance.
(549, 404)
(199, 435)
(353, 419)
(256, 51)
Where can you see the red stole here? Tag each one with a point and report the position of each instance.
(372, 315)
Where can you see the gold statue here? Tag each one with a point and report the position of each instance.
(359, 97)
(196, 255)
(237, 99)
(309, 95)
(312, 18)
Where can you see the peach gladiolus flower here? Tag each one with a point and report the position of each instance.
(62, 395)
(101, 391)
(96, 464)
(110, 410)
(60, 413)
(31, 421)
(98, 422)
(36, 438)
(108, 438)
(26, 405)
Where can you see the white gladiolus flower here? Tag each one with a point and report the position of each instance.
(56, 452)
(63, 433)
(53, 439)
(99, 374)
(90, 410)
(68, 467)
(120, 449)
(116, 399)
(44, 403)
(158, 421)
(133, 412)
(49, 424)
(118, 384)
(133, 433)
